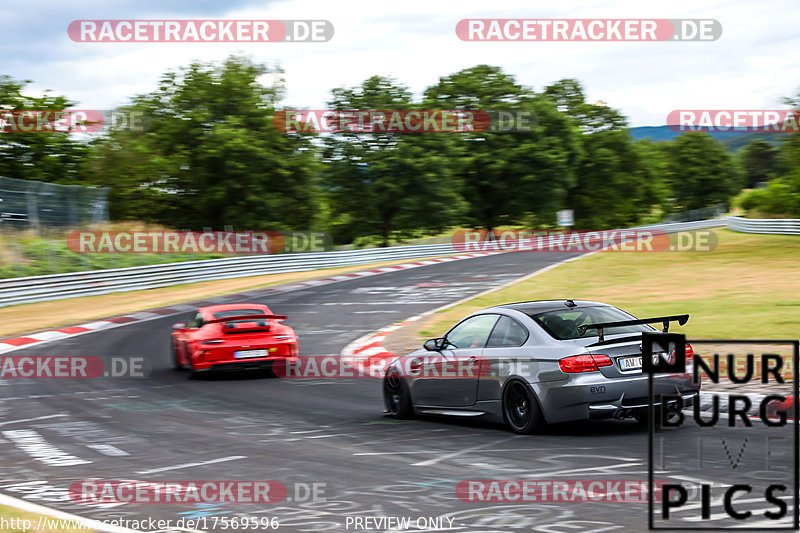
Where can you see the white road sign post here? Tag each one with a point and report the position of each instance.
(565, 217)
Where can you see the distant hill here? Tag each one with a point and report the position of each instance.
(732, 139)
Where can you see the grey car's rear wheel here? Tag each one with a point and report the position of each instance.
(520, 409)
(396, 395)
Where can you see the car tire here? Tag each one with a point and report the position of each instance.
(396, 396)
(521, 410)
(174, 353)
(193, 374)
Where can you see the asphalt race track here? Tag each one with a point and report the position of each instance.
(331, 432)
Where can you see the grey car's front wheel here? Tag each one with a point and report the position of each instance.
(521, 410)
(396, 396)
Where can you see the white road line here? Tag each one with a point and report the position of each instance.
(108, 449)
(460, 452)
(32, 419)
(584, 469)
(429, 452)
(190, 465)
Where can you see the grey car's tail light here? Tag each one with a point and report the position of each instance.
(583, 363)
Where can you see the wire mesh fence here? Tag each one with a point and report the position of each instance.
(28, 204)
(704, 213)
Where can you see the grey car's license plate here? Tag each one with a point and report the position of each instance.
(635, 362)
(630, 363)
(243, 354)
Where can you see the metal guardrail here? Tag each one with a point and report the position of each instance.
(785, 226)
(72, 285)
(673, 227)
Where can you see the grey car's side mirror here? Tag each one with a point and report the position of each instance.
(179, 325)
(434, 345)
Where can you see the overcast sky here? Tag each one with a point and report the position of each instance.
(752, 66)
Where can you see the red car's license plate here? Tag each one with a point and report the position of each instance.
(243, 354)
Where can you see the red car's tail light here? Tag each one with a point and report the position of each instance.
(294, 351)
(583, 363)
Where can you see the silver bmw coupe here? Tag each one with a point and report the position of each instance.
(532, 363)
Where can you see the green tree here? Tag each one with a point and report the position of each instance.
(616, 185)
(759, 161)
(653, 164)
(508, 176)
(211, 155)
(781, 197)
(569, 96)
(51, 156)
(393, 185)
(701, 171)
(618, 182)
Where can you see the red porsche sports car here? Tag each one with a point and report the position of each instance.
(232, 337)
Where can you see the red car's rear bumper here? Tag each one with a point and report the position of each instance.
(262, 363)
(226, 357)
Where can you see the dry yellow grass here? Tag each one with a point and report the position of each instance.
(15, 521)
(748, 287)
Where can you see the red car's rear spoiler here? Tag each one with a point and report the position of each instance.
(246, 317)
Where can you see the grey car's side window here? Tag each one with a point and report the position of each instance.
(507, 333)
(472, 332)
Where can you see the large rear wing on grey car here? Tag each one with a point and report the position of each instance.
(665, 320)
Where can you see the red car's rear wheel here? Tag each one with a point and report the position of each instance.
(175, 363)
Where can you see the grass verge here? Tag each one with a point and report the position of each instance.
(748, 287)
(15, 521)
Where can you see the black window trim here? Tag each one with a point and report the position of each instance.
(527, 333)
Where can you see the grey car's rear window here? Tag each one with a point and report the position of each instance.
(563, 324)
